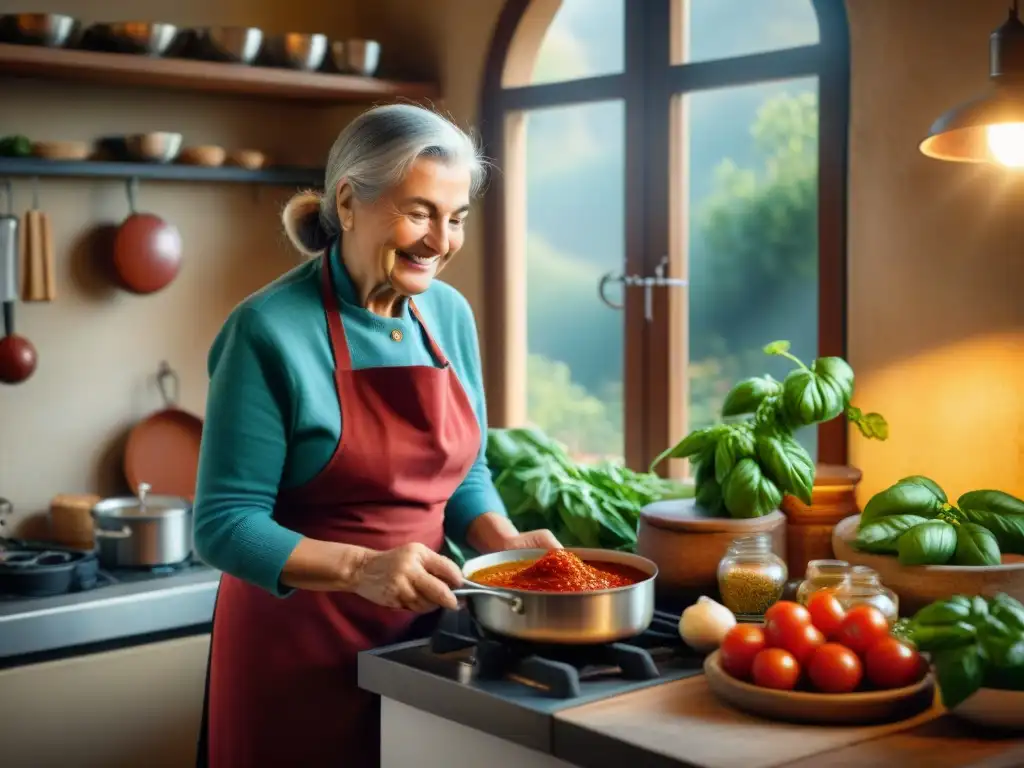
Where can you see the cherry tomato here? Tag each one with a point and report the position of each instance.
(784, 622)
(775, 668)
(863, 626)
(890, 663)
(739, 647)
(834, 668)
(804, 642)
(826, 612)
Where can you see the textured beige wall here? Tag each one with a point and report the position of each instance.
(936, 256)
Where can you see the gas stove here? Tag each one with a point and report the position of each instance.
(542, 678)
(31, 570)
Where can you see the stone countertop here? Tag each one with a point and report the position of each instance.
(118, 612)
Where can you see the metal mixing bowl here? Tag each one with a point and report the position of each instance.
(157, 147)
(356, 57)
(151, 38)
(299, 51)
(241, 44)
(50, 29)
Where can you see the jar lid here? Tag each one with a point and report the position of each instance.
(685, 515)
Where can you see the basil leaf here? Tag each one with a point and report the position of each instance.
(838, 373)
(1005, 664)
(747, 395)
(942, 612)
(1008, 610)
(940, 637)
(787, 464)
(810, 399)
(1000, 513)
(900, 499)
(709, 496)
(873, 426)
(748, 493)
(734, 445)
(880, 537)
(931, 543)
(975, 546)
(960, 673)
(692, 444)
(705, 471)
(925, 482)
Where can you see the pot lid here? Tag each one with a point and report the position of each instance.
(685, 515)
(143, 506)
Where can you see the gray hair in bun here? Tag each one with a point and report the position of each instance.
(374, 152)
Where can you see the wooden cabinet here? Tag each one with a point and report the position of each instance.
(127, 708)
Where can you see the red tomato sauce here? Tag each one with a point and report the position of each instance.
(558, 571)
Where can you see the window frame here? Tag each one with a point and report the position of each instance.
(647, 85)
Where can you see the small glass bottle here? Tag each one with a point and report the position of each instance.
(751, 576)
(863, 585)
(821, 574)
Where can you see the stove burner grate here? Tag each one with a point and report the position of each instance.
(560, 669)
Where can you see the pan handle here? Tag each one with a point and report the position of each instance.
(515, 603)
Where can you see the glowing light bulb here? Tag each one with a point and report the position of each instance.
(1006, 143)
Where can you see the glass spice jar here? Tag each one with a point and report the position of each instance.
(751, 577)
(821, 574)
(863, 585)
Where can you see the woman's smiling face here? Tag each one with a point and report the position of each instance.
(406, 236)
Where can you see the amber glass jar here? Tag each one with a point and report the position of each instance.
(822, 574)
(751, 576)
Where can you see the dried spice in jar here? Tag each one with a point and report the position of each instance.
(751, 577)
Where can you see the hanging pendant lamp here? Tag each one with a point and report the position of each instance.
(989, 129)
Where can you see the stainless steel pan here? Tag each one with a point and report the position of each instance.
(562, 617)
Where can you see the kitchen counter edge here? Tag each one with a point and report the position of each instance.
(41, 629)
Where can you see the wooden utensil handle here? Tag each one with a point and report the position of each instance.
(8, 318)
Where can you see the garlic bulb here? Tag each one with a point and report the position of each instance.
(703, 625)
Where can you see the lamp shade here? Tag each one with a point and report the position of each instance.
(988, 129)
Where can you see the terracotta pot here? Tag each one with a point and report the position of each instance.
(687, 544)
(809, 528)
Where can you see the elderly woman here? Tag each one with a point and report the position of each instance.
(344, 437)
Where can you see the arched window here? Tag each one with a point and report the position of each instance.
(702, 138)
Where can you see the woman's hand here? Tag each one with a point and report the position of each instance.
(412, 576)
(539, 539)
(492, 532)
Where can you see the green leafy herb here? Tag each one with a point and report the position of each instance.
(1000, 513)
(880, 537)
(930, 543)
(745, 468)
(973, 641)
(584, 505)
(900, 499)
(975, 546)
(748, 493)
(926, 482)
(748, 394)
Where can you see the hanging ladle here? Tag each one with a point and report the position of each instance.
(17, 355)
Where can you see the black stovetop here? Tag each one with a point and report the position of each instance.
(543, 678)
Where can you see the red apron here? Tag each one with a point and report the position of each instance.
(282, 685)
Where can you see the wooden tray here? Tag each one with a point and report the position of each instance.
(824, 708)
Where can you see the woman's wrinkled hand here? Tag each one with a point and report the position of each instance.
(539, 539)
(412, 576)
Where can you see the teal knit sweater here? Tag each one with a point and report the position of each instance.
(272, 417)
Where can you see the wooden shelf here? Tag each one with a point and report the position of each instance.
(203, 76)
(282, 177)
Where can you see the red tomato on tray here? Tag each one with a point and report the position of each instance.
(890, 663)
(834, 668)
(739, 647)
(775, 668)
(784, 622)
(863, 626)
(826, 611)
